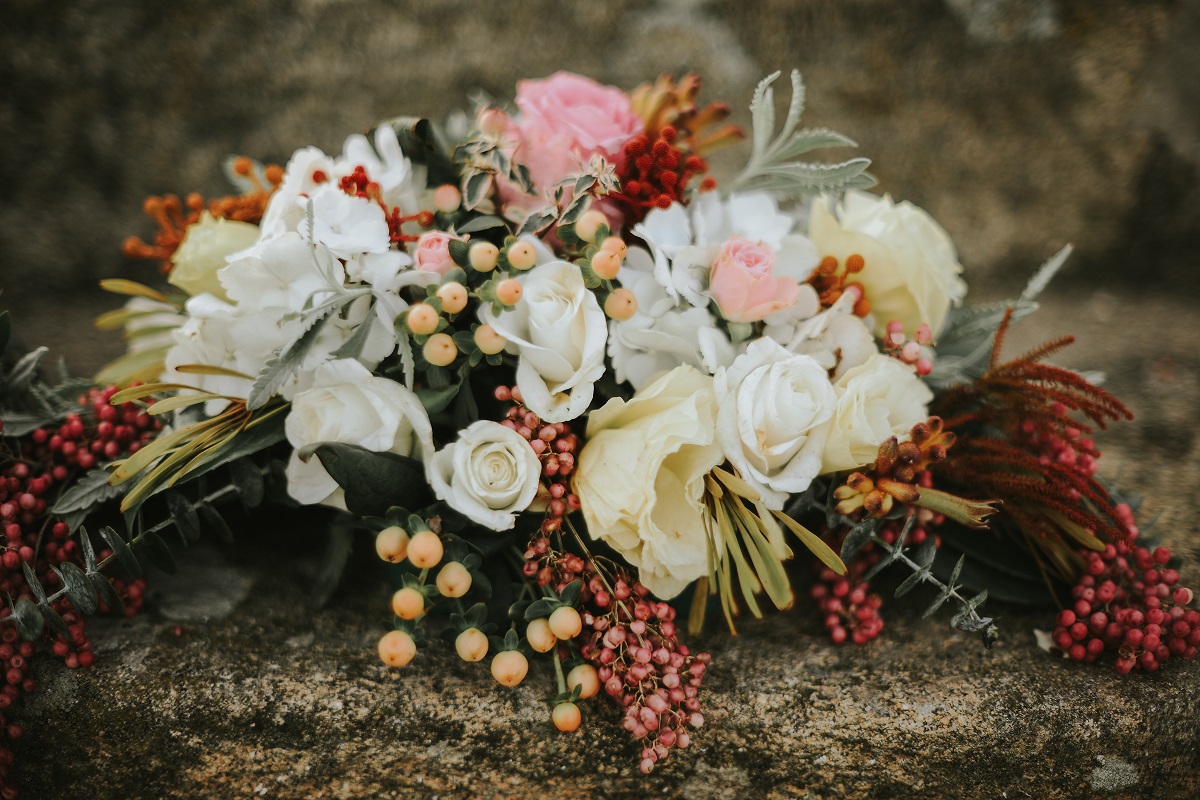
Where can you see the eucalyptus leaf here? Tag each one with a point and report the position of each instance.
(183, 515)
(373, 482)
(108, 595)
(79, 590)
(121, 550)
(214, 523)
(28, 618)
(858, 538)
(248, 480)
(54, 620)
(911, 582)
(157, 552)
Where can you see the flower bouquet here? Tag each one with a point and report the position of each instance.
(585, 398)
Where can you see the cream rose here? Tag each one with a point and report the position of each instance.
(881, 398)
(775, 409)
(912, 272)
(350, 405)
(490, 474)
(204, 249)
(559, 332)
(640, 477)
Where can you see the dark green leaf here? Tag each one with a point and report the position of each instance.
(460, 252)
(911, 582)
(35, 585)
(88, 492)
(570, 593)
(374, 482)
(5, 330)
(183, 515)
(55, 621)
(120, 548)
(942, 597)
(248, 480)
(925, 552)
(28, 618)
(353, 347)
(79, 590)
(485, 222)
(540, 608)
(435, 400)
(476, 615)
(108, 595)
(858, 538)
(89, 554)
(475, 189)
(214, 523)
(24, 370)
(333, 564)
(157, 552)
(18, 423)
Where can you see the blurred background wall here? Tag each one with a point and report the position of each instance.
(1020, 124)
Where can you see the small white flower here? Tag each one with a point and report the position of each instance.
(878, 399)
(559, 332)
(775, 409)
(281, 274)
(347, 225)
(836, 338)
(348, 404)
(662, 334)
(490, 474)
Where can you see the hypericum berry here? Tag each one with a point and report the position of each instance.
(566, 717)
(488, 341)
(440, 350)
(539, 635)
(483, 256)
(392, 544)
(397, 648)
(621, 304)
(615, 244)
(510, 667)
(586, 678)
(606, 264)
(522, 256)
(471, 644)
(565, 623)
(425, 550)
(509, 291)
(589, 224)
(454, 580)
(408, 603)
(447, 198)
(453, 296)
(422, 319)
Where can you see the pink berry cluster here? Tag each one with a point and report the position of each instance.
(849, 610)
(1129, 601)
(34, 469)
(631, 640)
(1072, 449)
(896, 344)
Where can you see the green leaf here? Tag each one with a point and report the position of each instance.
(353, 346)
(248, 480)
(942, 597)
(762, 114)
(107, 594)
(373, 482)
(157, 552)
(88, 492)
(54, 620)
(121, 550)
(858, 538)
(79, 589)
(333, 564)
(475, 188)
(24, 370)
(460, 252)
(815, 139)
(542, 607)
(484, 222)
(29, 620)
(279, 368)
(911, 582)
(183, 515)
(215, 523)
(34, 584)
(570, 593)
(435, 400)
(89, 554)
(5, 330)
(925, 553)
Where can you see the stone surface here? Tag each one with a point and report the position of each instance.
(1020, 124)
(265, 698)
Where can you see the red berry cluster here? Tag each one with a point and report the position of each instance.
(630, 638)
(656, 173)
(849, 611)
(1072, 449)
(1129, 601)
(555, 445)
(43, 464)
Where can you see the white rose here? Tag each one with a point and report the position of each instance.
(640, 478)
(350, 405)
(490, 474)
(774, 417)
(881, 398)
(559, 332)
(206, 245)
(912, 272)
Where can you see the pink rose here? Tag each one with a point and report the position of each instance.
(567, 118)
(433, 252)
(742, 285)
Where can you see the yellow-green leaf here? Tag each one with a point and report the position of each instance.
(813, 543)
(183, 401)
(132, 289)
(209, 369)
